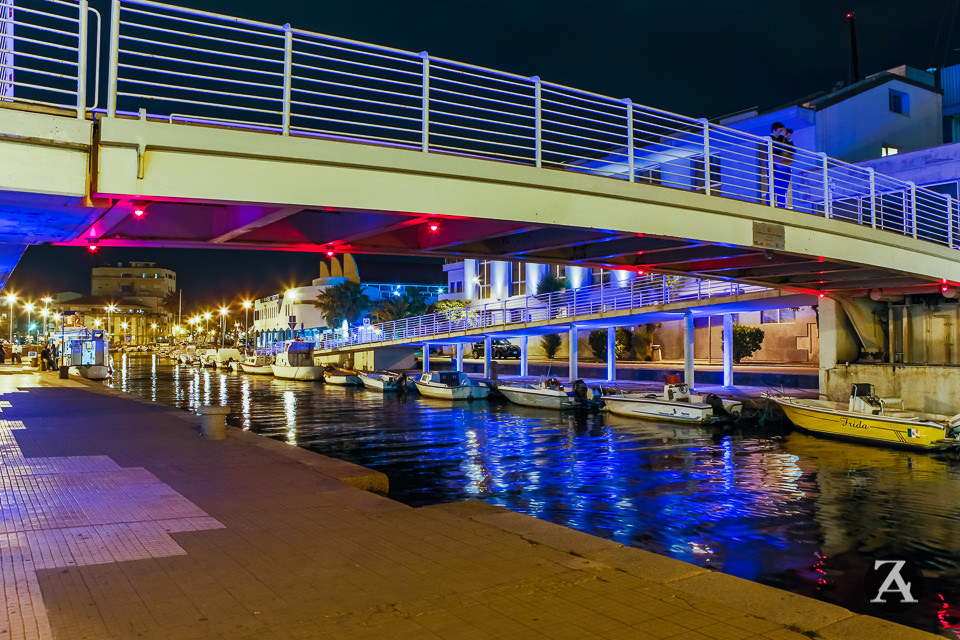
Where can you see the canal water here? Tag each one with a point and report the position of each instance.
(800, 513)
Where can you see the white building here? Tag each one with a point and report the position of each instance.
(142, 282)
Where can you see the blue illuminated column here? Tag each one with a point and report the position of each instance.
(728, 349)
(459, 356)
(487, 355)
(688, 348)
(611, 353)
(426, 357)
(573, 353)
(523, 356)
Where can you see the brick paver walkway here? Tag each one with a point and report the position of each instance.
(120, 522)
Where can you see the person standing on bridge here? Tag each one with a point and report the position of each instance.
(783, 150)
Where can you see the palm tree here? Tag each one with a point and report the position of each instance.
(344, 301)
(410, 303)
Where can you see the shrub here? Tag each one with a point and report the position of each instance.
(550, 344)
(643, 339)
(746, 341)
(598, 342)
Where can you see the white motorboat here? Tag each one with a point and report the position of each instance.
(547, 394)
(257, 363)
(208, 358)
(189, 355)
(675, 404)
(295, 362)
(386, 381)
(451, 385)
(341, 377)
(225, 356)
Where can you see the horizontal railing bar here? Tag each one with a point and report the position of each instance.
(213, 65)
(345, 110)
(197, 76)
(196, 102)
(163, 85)
(213, 25)
(214, 52)
(251, 45)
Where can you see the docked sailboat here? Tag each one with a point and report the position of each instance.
(258, 363)
(869, 418)
(295, 362)
(547, 394)
(341, 377)
(386, 381)
(675, 404)
(451, 385)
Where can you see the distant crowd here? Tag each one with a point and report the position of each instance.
(47, 358)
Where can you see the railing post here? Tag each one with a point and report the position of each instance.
(82, 61)
(826, 186)
(287, 76)
(873, 197)
(771, 181)
(913, 206)
(425, 104)
(706, 155)
(631, 161)
(114, 58)
(538, 122)
(949, 221)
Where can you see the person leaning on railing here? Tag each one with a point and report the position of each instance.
(783, 151)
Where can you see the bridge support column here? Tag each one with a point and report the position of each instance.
(688, 348)
(611, 353)
(426, 357)
(459, 356)
(487, 355)
(523, 356)
(728, 349)
(574, 374)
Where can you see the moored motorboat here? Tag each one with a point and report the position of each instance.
(341, 377)
(207, 358)
(675, 404)
(547, 394)
(451, 385)
(188, 354)
(225, 356)
(386, 381)
(295, 362)
(869, 418)
(258, 363)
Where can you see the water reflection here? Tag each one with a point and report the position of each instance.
(804, 514)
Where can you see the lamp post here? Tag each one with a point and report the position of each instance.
(154, 327)
(223, 324)
(29, 307)
(110, 309)
(11, 299)
(46, 300)
(206, 319)
(246, 325)
(124, 325)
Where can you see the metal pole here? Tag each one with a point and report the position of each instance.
(771, 182)
(826, 186)
(873, 197)
(913, 207)
(114, 59)
(246, 329)
(287, 76)
(425, 106)
(950, 221)
(706, 155)
(537, 116)
(631, 161)
(11, 321)
(82, 61)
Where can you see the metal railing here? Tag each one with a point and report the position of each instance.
(643, 292)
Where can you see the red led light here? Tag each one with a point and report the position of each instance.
(92, 248)
(822, 294)
(639, 272)
(434, 226)
(139, 211)
(329, 254)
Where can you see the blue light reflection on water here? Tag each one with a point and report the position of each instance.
(803, 514)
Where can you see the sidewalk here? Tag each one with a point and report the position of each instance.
(120, 522)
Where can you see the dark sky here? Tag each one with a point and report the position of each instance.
(701, 58)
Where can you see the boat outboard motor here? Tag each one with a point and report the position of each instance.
(719, 411)
(581, 393)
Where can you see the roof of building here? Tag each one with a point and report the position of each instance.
(102, 301)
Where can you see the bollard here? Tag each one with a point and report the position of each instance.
(213, 421)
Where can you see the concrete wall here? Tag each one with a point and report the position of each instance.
(374, 359)
(928, 388)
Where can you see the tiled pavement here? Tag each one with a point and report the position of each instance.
(120, 522)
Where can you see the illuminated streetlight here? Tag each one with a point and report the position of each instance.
(29, 308)
(124, 325)
(110, 309)
(223, 324)
(11, 299)
(206, 331)
(246, 324)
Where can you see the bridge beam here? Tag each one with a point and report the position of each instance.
(572, 360)
(728, 349)
(688, 348)
(523, 356)
(611, 353)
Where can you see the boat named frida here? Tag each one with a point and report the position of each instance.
(869, 418)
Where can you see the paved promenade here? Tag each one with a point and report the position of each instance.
(120, 522)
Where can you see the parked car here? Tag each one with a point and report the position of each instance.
(499, 348)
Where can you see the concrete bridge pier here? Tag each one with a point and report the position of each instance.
(523, 356)
(611, 353)
(573, 353)
(487, 355)
(426, 357)
(688, 348)
(458, 350)
(728, 349)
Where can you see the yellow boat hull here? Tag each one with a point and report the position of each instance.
(871, 428)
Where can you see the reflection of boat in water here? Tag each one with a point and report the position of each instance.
(386, 381)
(295, 362)
(257, 363)
(451, 385)
(869, 418)
(675, 404)
(547, 394)
(341, 377)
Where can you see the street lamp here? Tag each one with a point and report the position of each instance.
(110, 309)
(206, 319)
(11, 299)
(124, 325)
(246, 325)
(154, 326)
(46, 303)
(223, 324)
(29, 307)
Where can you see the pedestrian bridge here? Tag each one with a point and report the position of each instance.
(214, 131)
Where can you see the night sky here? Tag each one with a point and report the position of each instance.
(700, 58)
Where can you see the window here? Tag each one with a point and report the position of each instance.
(518, 279)
(887, 150)
(456, 286)
(778, 316)
(899, 102)
(483, 276)
(558, 271)
(600, 276)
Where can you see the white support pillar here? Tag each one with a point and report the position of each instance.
(459, 356)
(728, 349)
(523, 356)
(487, 355)
(426, 357)
(688, 348)
(572, 363)
(611, 353)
